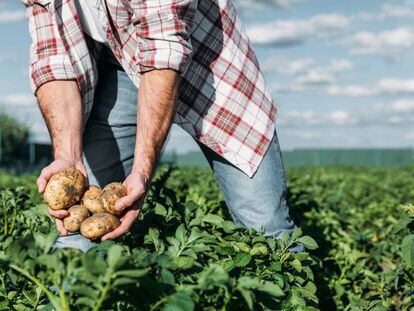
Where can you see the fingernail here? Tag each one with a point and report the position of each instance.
(118, 206)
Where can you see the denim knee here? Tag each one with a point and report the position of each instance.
(74, 240)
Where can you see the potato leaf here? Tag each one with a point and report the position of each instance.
(180, 301)
(308, 242)
(242, 259)
(407, 250)
(115, 254)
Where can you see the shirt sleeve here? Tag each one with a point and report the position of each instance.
(163, 30)
(48, 57)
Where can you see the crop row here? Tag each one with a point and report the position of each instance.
(186, 254)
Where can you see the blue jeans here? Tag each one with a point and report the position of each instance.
(109, 138)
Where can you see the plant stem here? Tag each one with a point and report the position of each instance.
(227, 300)
(5, 215)
(13, 219)
(35, 280)
(61, 292)
(105, 290)
(159, 303)
(4, 286)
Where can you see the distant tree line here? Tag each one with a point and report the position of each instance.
(14, 138)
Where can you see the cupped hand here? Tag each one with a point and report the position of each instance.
(47, 173)
(136, 185)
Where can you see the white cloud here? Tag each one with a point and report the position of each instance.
(388, 43)
(288, 67)
(303, 135)
(409, 136)
(280, 33)
(339, 65)
(395, 86)
(388, 11)
(263, 4)
(8, 57)
(403, 106)
(311, 118)
(305, 72)
(352, 90)
(8, 16)
(299, 117)
(286, 88)
(329, 23)
(304, 66)
(316, 76)
(17, 99)
(396, 11)
(391, 86)
(341, 117)
(291, 32)
(399, 113)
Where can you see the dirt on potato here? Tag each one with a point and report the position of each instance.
(77, 214)
(111, 193)
(92, 200)
(98, 225)
(64, 189)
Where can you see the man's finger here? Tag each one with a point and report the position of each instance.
(60, 227)
(45, 175)
(41, 183)
(134, 212)
(114, 234)
(58, 214)
(82, 169)
(128, 200)
(122, 229)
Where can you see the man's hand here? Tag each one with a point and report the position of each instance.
(157, 100)
(44, 177)
(136, 185)
(61, 106)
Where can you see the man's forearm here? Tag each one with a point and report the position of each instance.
(157, 97)
(61, 106)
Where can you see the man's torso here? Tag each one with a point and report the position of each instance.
(223, 101)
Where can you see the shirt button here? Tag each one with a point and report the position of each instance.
(170, 16)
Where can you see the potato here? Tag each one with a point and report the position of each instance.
(64, 189)
(77, 214)
(110, 194)
(98, 225)
(92, 201)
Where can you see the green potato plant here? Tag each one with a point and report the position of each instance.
(184, 254)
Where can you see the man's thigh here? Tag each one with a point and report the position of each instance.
(109, 137)
(258, 202)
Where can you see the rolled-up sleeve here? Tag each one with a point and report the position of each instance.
(163, 33)
(48, 57)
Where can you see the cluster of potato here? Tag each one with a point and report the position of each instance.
(91, 210)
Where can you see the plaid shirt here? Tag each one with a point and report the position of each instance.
(223, 100)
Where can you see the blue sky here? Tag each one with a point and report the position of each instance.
(341, 72)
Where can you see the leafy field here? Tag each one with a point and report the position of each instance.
(185, 253)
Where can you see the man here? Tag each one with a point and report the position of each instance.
(111, 76)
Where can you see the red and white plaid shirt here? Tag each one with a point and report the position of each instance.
(223, 100)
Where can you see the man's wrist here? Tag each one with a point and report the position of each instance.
(145, 172)
(71, 155)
